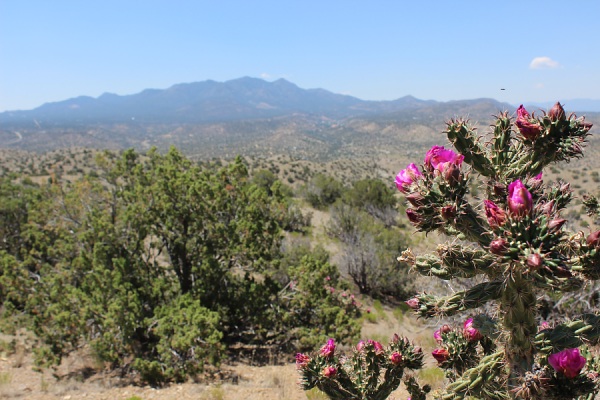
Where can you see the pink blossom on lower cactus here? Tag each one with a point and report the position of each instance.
(413, 303)
(407, 177)
(360, 346)
(437, 335)
(495, 215)
(377, 347)
(530, 130)
(470, 332)
(593, 239)
(328, 349)
(569, 361)
(438, 158)
(395, 358)
(302, 360)
(520, 201)
(440, 355)
(329, 372)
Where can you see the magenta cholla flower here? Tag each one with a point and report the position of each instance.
(302, 360)
(413, 303)
(495, 215)
(437, 336)
(328, 349)
(329, 372)
(438, 158)
(470, 332)
(440, 355)
(568, 361)
(377, 347)
(407, 176)
(520, 201)
(396, 358)
(529, 130)
(360, 346)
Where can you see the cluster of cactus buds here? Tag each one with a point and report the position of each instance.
(518, 245)
(371, 371)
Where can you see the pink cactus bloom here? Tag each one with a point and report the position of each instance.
(328, 349)
(302, 360)
(470, 332)
(495, 215)
(440, 355)
(395, 358)
(529, 130)
(437, 335)
(329, 372)
(413, 303)
(520, 201)
(360, 346)
(568, 361)
(377, 347)
(407, 177)
(438, 159)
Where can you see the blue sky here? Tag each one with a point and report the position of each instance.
(51, 50)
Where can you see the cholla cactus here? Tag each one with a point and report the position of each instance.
(371, 372)
(515, 240)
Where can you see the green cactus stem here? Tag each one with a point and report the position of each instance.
(477, 296)
(518, 309)
(464, 139)
(569, 335)
(480, 381)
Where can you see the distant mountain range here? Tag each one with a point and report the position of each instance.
(239, 116)
(210, 101)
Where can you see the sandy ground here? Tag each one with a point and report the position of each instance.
(18, 380)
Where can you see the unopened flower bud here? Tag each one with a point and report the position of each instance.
(557, 113)
(499, 189)
(498, 246)
(413, 216)
(395, 358)
(565, 187)
(395, 338)
(593, 240)
(440, 355)
(448, 212)
(535, 261)
(520, 201)
(417, 350)
(416, 199)
(546, 207)
(556, 224)
(452, 174)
